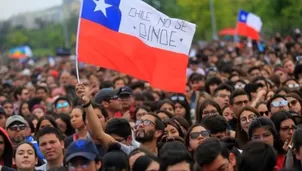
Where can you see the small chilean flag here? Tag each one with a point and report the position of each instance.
(134, 38)
(249, 25)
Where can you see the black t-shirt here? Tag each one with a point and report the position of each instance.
(7, 169)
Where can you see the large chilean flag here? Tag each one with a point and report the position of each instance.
(249, 25)
(134, 38)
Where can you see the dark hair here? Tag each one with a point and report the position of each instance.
(268, 104)
(236, 93)
(143, 162)
(211, 81)
(252, 69)
(297, 97)
(61, 98)
(207, 151)
(257, 156)
(83, 112)
(277, 118)
(241, 135)
(297, 139)
(101, 108)
(46, 117)
(170, 115)
(171, 144)
(287, 90)
(260, 123)
(223, 87)
(290, 79)
(18, 91)
(115, 159)
(29, 120)
(162, 102)
(24, 142)
(67, 120)
(49, 130)
(196, 77)
(206, 103)
(185, 104)
(159, 125)
(42, 88)
(146, 108)
(215, 123)
(6, 101)
(171, 158)
(182, 121)
(117, 79)
(187, 138)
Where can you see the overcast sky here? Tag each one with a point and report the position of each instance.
(11, 7)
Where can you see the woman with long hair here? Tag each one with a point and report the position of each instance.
(208, 107)
(182, 107)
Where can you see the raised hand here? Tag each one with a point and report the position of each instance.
(82, 93)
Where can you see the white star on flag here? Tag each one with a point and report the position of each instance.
(243, 17)
(101, 6)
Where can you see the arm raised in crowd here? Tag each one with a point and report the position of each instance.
(93, 120)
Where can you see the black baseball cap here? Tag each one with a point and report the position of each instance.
(125, 91)
(105, 94)
(82, 148)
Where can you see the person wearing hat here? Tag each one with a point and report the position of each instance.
(17, 128)
(127, 101)
(82, 154)
(109, 98)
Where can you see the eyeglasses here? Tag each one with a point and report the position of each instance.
(239, 86)
(179, 98)
(144, 122)
(61, 105)
(17, 127)
(281, 103)
(240, 103)
(293, 103)
(287, 128)
(264, 113)
(293, 85)
(249, 118)
(195, 135)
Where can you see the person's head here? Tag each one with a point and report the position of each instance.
(119, 82)
(24, 109)
(149, 129)
(297, 143)
(164, 115)
(289, 66)
(227, 113)
(176, 160)
(141, 111)
(182, 107)
(222, 95)
(83, 155)
(294, 102)
(217, 125)
(63, 121)
(262, 129)
(25, 156)
(172, 129)
(32, 123)
(65, 78)
(46, 121)
(207, 108)
(285, 125)
(126, 97)
(252, 89)
(62, 105)
(51, 143)
(171, 144)
(239, 85)
(182, 122)
(42, 92)
(115, 159)
(109, 99)
(38, 110)
(8, 107)
(239, 99)
(245, 116)
(277, 103)
(214, 155)
(145, 163)
(196, 81)
(281, 73)
(254, 72)
(262, 109)
(291, 84)
(211, 84)
(196, 135)
(16, 127)
(2, 118)
(101, 113)
(120, 130)
(166, 105)
(76, 116)
(257, 156)
(21, 94)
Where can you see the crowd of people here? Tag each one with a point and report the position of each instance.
(241, 111)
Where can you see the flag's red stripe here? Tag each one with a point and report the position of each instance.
(244, 30)
(100, 46)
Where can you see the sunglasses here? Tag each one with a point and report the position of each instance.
(293, 85)
(180, 98)
(114, 97)
(239, 86)
(281, 103)
(62, 105)
(293, 102)
(195, 135)
(264, 113)
(17, 127)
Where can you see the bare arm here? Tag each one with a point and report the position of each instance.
(93, 120)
